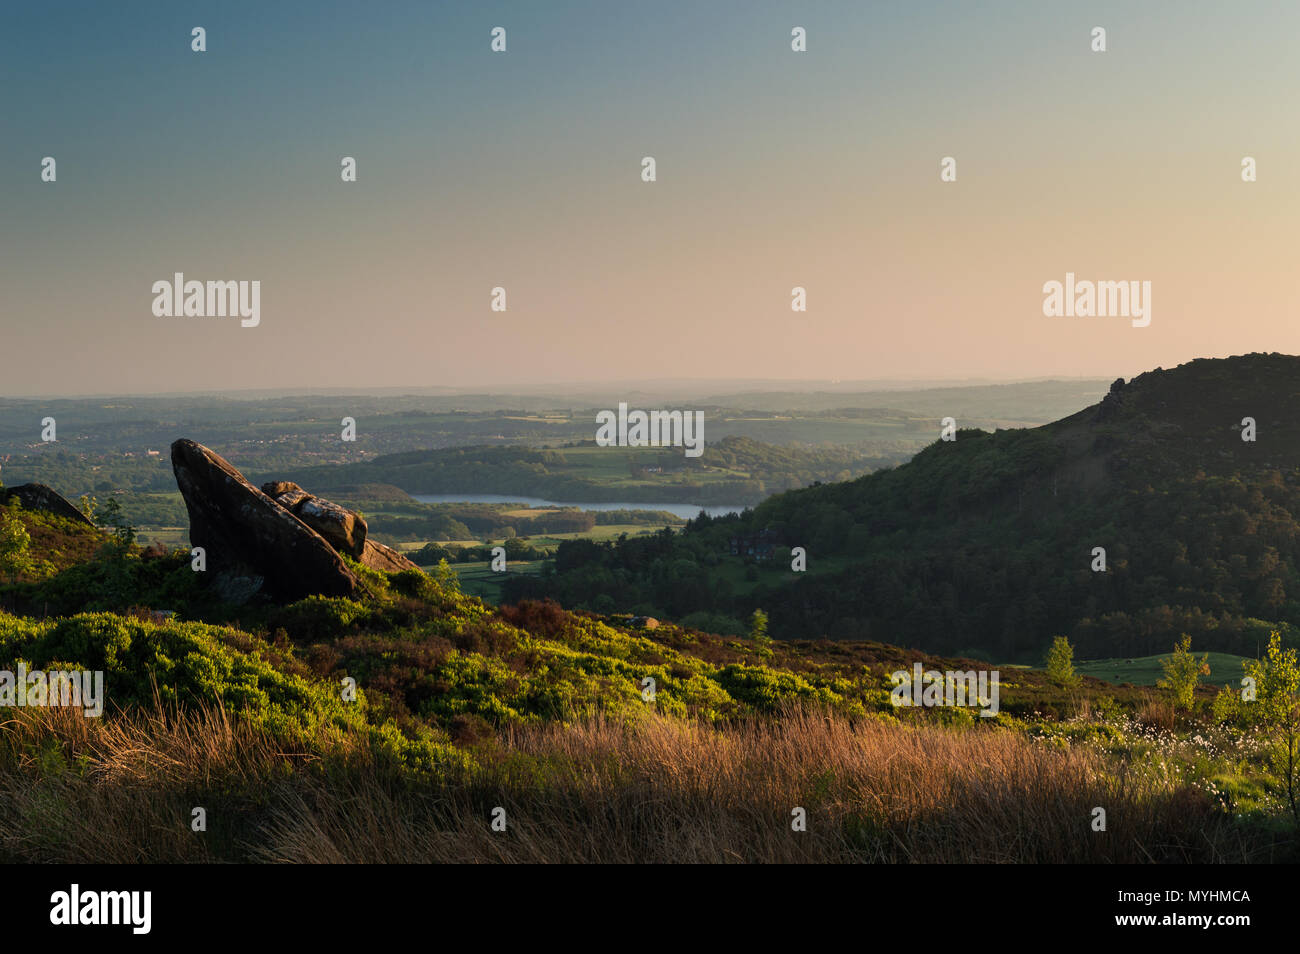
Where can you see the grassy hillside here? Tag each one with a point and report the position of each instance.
(397, 726)
(987, 543)
(462, 708)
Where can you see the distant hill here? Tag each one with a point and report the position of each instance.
(985, 544)
(733, 470)
(1031, 401)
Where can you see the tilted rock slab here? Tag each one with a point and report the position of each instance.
(244, 531)
(46, 499)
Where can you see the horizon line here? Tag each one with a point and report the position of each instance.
(541, 389)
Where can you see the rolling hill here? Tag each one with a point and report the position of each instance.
(989, 544)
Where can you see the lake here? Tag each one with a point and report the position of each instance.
(685, 511)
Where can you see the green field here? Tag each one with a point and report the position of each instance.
(1225, 669)
(478, 579)
(541, 540)
(167, 536)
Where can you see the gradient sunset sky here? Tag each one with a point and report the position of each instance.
(522, 170)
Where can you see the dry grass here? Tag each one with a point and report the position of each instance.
(74, 789)
(1157, 713)
(657, 791)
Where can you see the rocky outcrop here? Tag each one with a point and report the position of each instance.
(379, 557)
(344, 529)
(285, 492)
(280, 539)
(46, 499)
(251, 542)
(1112, 403)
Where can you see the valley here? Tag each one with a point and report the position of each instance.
(536, 656)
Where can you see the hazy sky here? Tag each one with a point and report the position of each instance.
(523, 170)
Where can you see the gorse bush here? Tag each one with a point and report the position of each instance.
(119, 577)
(196, 664)
(318, 618)
(188, 663)
(766, 689)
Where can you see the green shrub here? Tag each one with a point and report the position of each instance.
(1183, 673)
(317, 618)
(766, 689)
(1060, 663)
(183, 663)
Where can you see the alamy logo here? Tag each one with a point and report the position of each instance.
(1087, 299)
(932, 688)
(193, 299)
(651, 429)
(61, 688)
(103, 907)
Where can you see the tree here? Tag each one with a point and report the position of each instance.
(1276, 711)
(116, 556)
(1183, 673)
(111, 516)
(15, 546)
(446, 577)
(1060, 663)
(758, 627)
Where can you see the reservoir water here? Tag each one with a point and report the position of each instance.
(685, 511)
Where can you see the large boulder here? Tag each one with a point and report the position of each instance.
(344, 529)
(247, 535)
(285, 492)
(46, 499)
(379, 557)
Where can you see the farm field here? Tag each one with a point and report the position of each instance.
(1225, 669)
(478, 579)
(547, 540)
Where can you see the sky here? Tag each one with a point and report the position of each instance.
(522, 170)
